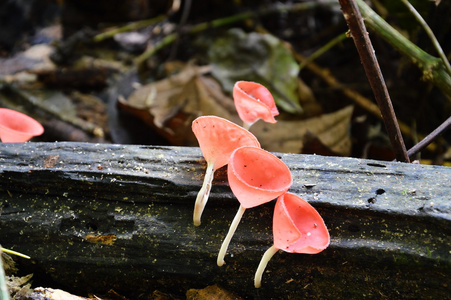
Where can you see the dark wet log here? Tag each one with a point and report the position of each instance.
(97, 217)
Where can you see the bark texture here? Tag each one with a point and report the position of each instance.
(96, 217)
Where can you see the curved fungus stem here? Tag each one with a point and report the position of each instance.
(262, 265)
(247, 126)
(12, 252)
(228, 238)
(204, 193)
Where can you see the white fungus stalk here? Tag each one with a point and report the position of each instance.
(204, 193)
(262, 265)
(230, 233)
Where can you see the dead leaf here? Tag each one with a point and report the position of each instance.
(310, 106)
(19, 287)
(288, 136)
(313, 145)
(75, 116)
(171, 104)
(9, 265)
(35, 58)
(211, 292)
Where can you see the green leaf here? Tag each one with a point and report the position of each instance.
(260, 58)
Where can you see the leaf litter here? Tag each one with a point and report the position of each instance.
(169, 106)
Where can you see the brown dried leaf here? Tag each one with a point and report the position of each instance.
(19, 287)
(288, 136)
(170, 105)
(211, 292)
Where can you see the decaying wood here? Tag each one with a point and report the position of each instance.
(97, 217)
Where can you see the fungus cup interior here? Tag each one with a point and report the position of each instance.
(217, 138)
(297, 228)
(255, 177)
(16, 127)
(253, 101)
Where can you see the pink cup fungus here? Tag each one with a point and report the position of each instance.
(253, 101)
(16, 127)
(297, 228)
(255, 177)
(217, 138)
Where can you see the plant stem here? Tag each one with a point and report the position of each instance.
(129, 27)
(373, 73)
(429, 138)
(247, 126)
(323, 49)
(262, 265)
(429, 33)
(357, 98)
(227, 21)
(204, 193)
(230, 233)
(432, 67)
(15, 253)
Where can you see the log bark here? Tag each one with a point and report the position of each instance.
(96, 217)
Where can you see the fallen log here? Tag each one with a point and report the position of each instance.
(96, 217)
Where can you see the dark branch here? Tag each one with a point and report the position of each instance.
(375, 77)
(430, 138)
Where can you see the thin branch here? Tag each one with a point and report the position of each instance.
(323, 49)
(129, 27)
(357, 98)
(429, 33)
(432, 67)
(374, 75)
(429, 138)
(183, 19)
(169, 39)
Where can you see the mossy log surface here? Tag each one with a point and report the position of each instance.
(96, 217)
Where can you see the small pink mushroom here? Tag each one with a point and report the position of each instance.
(255, 177)
(253, 101)
(16, 127)
(217, 138)
(297, 228)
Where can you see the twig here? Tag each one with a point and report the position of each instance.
(129, 27)
(323, 49)
(429, 138)
(185, 14)
(374, 75)
(169, 39)
(429, 33)
(432, 67)
(12, 252)
(354, 96)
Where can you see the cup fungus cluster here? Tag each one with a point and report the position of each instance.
(217, 138)
(255, 177)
